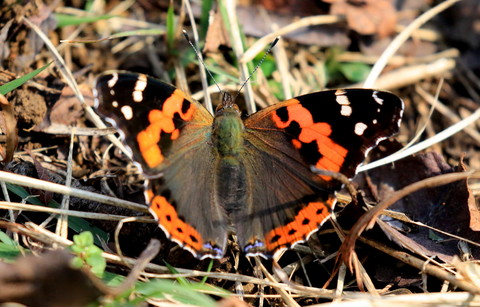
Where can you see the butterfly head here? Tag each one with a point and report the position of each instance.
(227, 105)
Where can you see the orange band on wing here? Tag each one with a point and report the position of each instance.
(162, 121)
(305, 222)
(167, 217)
(333, 155)
(302, 116)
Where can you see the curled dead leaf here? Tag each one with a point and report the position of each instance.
(8, 124)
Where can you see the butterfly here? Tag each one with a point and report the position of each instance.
(209, 175)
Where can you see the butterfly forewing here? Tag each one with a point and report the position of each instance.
(334, 129)
(168, 135)
(150, 114)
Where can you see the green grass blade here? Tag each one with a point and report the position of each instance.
(64, 20)
(180, 293)
(77, 224)
(204, 19)
(210, 266)
(181, 280)
(170, 27)
(10, 86)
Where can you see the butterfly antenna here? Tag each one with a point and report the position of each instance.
(200, 59)
(258, 65)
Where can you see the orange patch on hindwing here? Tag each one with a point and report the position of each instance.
(162, 121)
(174, 226)
(295, 114)
(306, 222)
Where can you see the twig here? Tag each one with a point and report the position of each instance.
(61, 189)
(427, 143)
(69, 212)
(203, 75)
(67, 74)
(401, 38)
(425, 267)
(261, 44)
(369, 218)
(440, 107)
(404, 76)
(237, 45)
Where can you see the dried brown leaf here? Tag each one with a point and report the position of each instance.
(372, 17)
(8, 124)
(217, 34)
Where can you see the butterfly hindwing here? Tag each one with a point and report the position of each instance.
(168, 136)
(277, 218)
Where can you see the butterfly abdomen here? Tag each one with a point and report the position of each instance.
(231, 185)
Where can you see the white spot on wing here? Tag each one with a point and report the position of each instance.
(140, 86)
(127, 112)
(141, 83)
(111, 83)
(360, 128)
(377, 99)
(346, 110)
(341, 98)
(374, 121)
(137, 96)
(115, 104)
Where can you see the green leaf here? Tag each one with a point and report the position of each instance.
(77, 262)
(112, 280)
(80, 225)
(84, 239)
(9, 252)
(64, 20)
(89, 254)
(268, 65)
(10, 86)
(354, 72)
(4, 238)
(98, 264)
(76, 249)
(209, 268)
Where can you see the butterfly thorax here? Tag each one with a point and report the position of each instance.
(228, 129)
